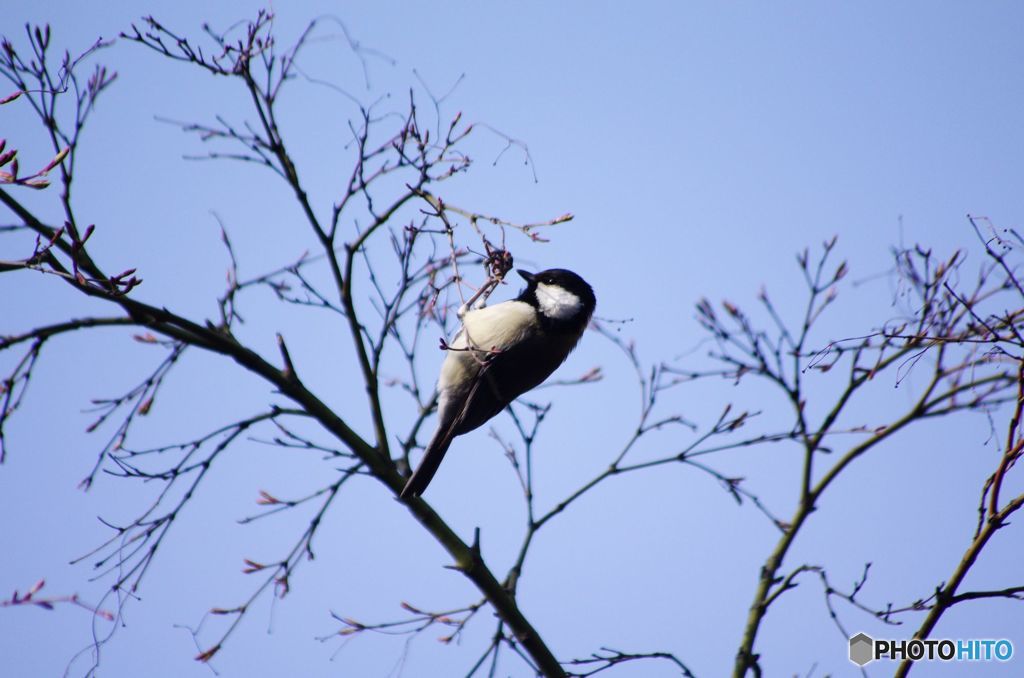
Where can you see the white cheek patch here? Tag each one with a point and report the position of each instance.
(557, 302)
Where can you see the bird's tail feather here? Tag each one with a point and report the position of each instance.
(431, 460)
(438, 445)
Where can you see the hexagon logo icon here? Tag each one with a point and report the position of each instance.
(862, 649)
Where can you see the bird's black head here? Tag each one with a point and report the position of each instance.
(561, 297)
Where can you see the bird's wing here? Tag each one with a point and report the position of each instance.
(503, 379)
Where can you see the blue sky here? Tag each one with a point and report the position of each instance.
(700, 146)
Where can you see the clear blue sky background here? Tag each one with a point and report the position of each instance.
(700, 145)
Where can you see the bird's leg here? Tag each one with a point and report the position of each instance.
(491, 285)
(479, 298)
(498, 263)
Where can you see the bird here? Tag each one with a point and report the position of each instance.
(501, 352)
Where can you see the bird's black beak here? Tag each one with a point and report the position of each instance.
(526, 275)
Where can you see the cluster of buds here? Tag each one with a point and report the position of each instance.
(9, 159)
(117, 285)
(30, 598)
(498, 262)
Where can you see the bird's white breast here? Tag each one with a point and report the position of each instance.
(496, 327)
(484, 329)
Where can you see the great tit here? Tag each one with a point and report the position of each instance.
(501, 352)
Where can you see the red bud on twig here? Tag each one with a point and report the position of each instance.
(56, 160)
(208, 654)
(252, 566)
(267, 499)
